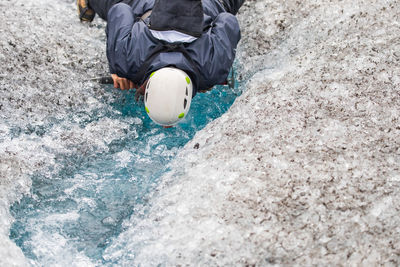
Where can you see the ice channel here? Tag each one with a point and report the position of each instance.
(302, 170)
(74, 215)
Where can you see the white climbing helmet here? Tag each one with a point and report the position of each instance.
(168, 96)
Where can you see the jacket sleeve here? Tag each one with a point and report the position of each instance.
(224, 36)
(120, 22)
(121, 19)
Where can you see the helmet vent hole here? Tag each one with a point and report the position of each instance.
(186, 91)
(184, 103)
(147, 93)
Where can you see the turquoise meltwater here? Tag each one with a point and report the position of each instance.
(71, 217)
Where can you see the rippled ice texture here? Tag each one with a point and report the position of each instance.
(43, 67)
(303, 169)
(89, 156)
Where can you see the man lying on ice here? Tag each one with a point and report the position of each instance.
(170, 49)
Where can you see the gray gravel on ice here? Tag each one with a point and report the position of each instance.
(303, 169)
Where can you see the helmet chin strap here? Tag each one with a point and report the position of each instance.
(141, 90)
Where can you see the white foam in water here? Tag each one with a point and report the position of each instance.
(41, 80)
(303, 169)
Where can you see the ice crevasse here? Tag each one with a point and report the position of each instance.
(302, 169)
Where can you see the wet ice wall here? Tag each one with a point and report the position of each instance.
(304, 167)
(46, 56)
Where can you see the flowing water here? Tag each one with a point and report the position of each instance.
(74, 215)
(302, 170)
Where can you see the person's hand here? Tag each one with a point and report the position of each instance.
(122, 83)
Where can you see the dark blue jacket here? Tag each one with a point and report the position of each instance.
(130, 42)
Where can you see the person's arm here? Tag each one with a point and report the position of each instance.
(119, 26)
(224, 36)
(120, 20)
